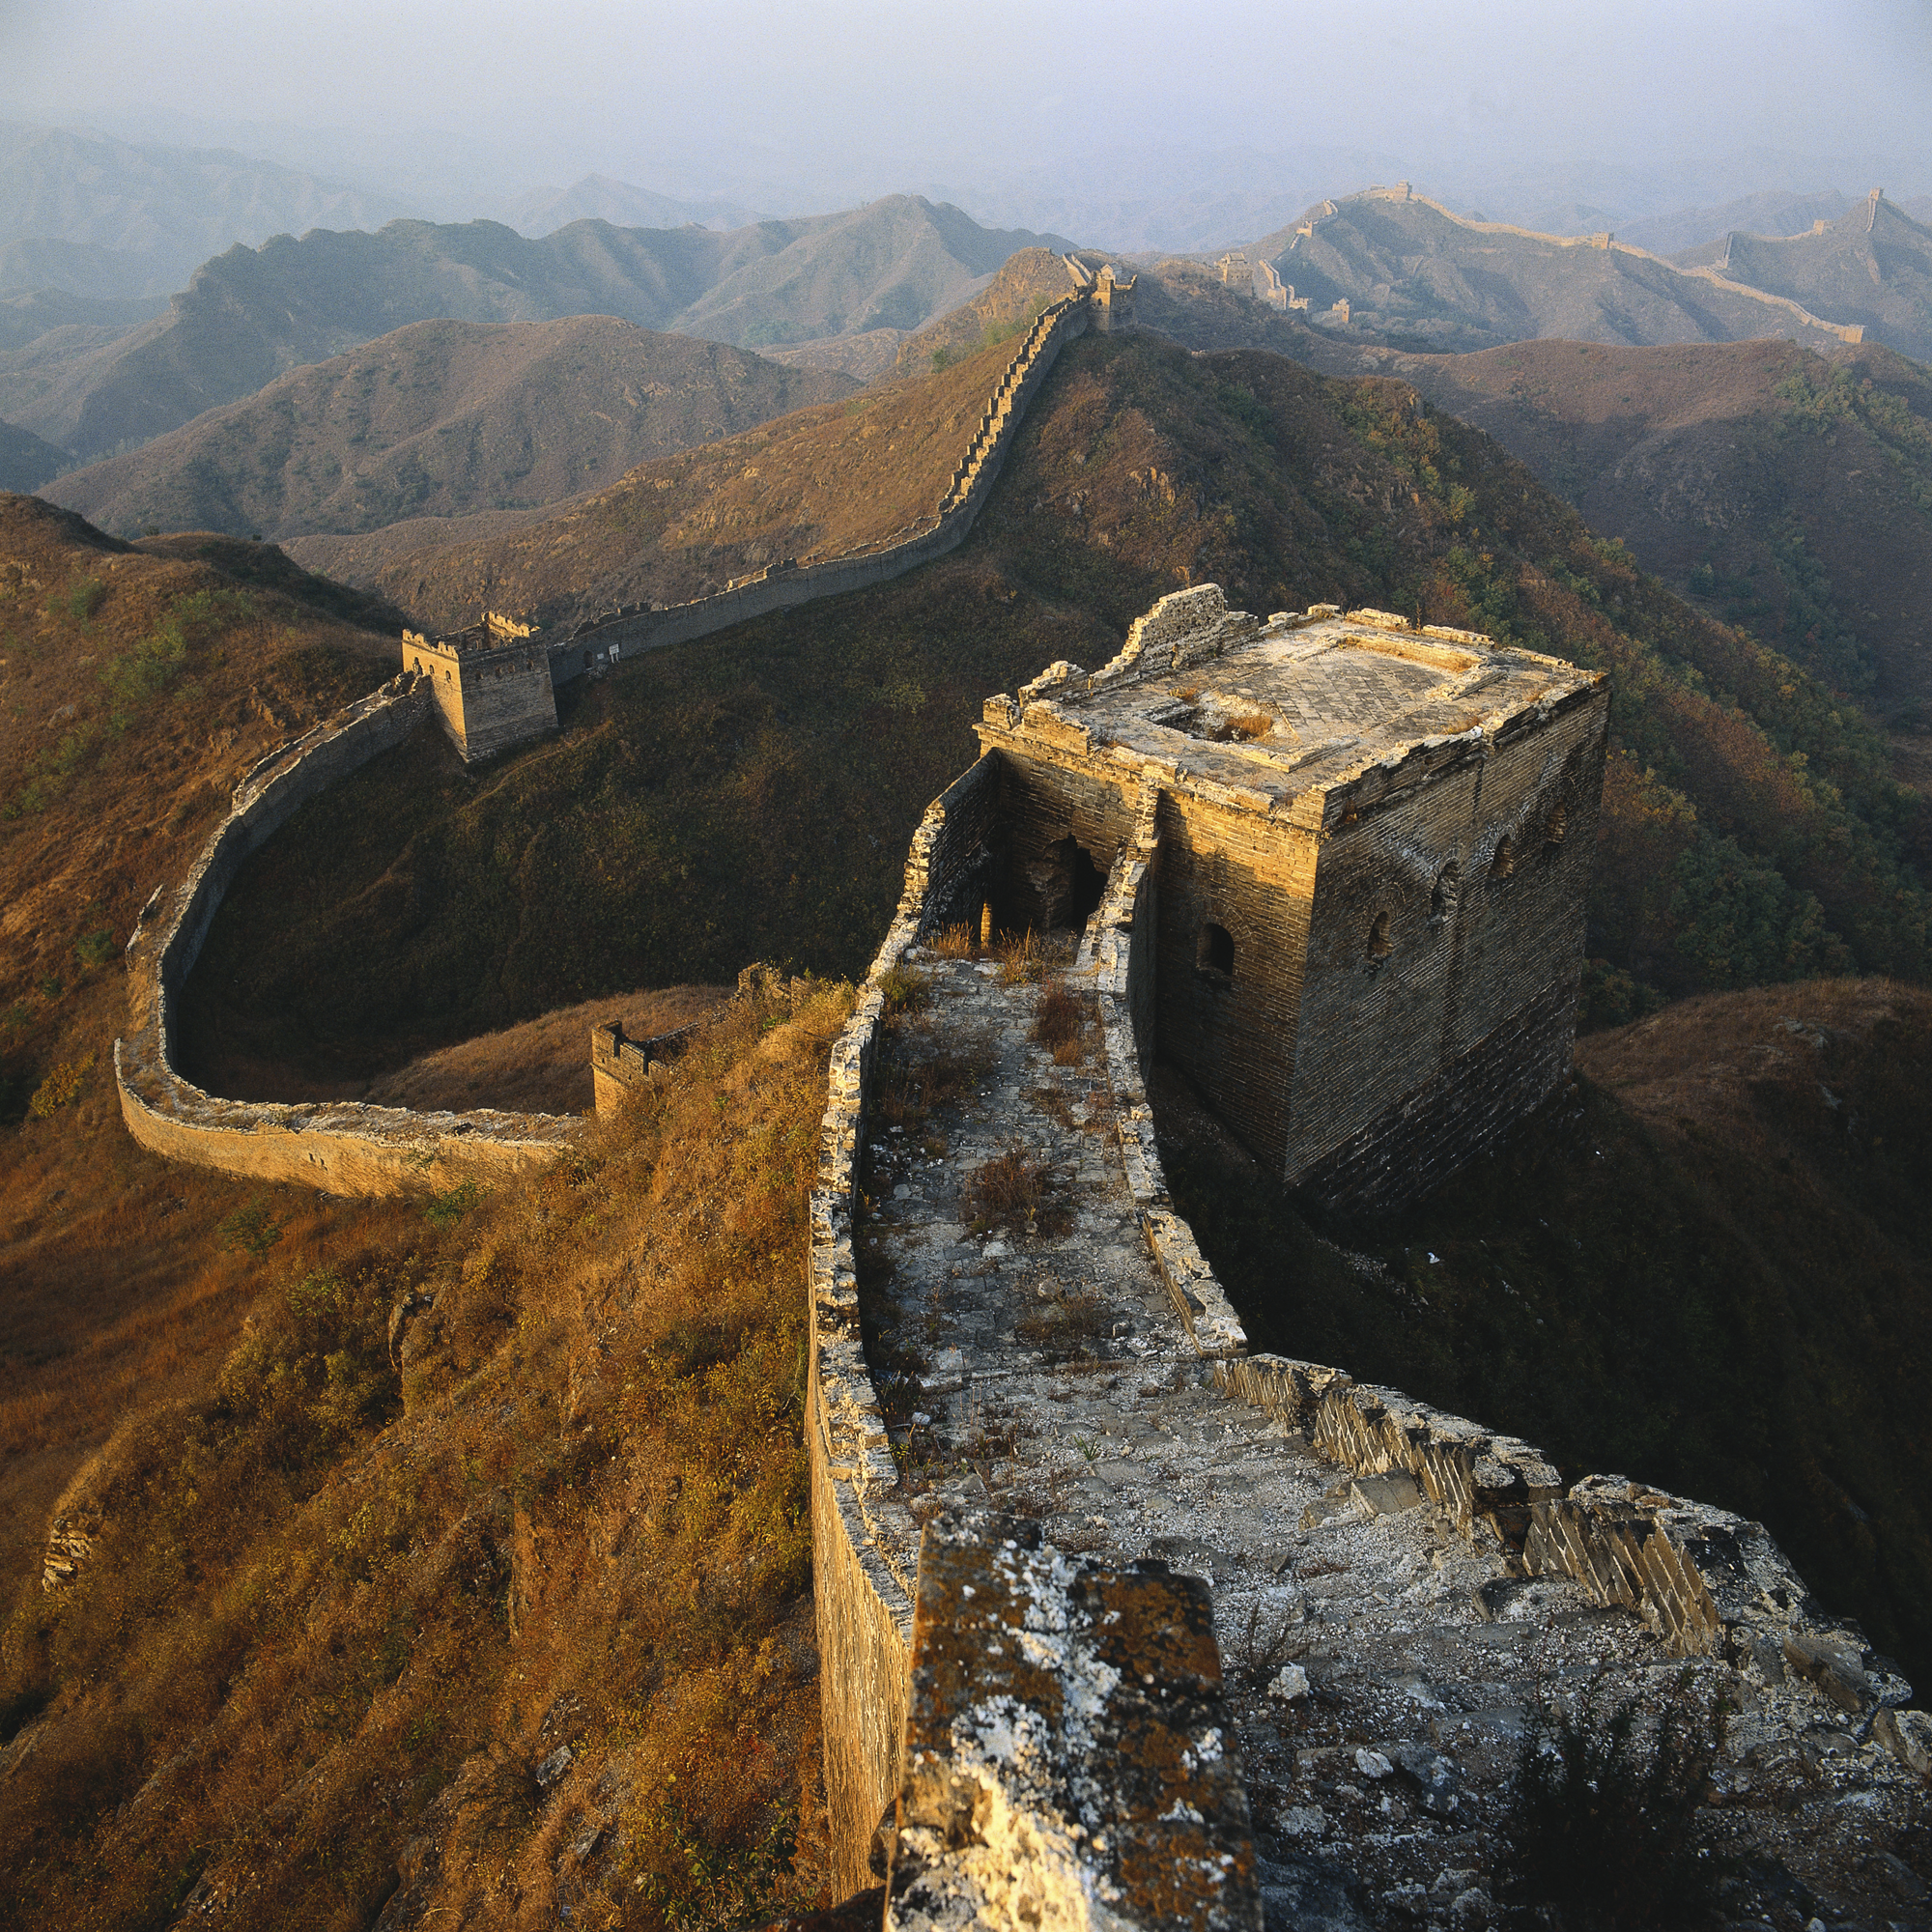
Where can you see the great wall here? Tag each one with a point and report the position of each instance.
(1844, 332)
(491, 688)
(1122, 1622)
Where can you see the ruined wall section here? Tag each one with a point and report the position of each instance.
(783, 585)
(865, 1541)
(342, 1147)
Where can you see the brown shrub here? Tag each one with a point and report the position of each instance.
(1012, 1190)
(1059, 1021)
(1248, 724)
(957, 942)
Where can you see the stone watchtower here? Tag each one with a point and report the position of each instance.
(492, 684)
(1367, 846)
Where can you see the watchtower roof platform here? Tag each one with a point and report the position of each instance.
(1284, 714)
(490, 632)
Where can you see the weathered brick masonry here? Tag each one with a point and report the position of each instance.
(491, 683)
(1372, 847)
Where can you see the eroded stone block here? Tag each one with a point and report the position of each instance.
(1068, 1759)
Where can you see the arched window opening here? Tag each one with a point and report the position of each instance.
(1554, 827)
(1380, 945)
(1448, 891)
(1215, 953)
(1504, 862)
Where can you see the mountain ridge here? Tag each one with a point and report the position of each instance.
(251, 314)
(440, 419)
(1410, 267)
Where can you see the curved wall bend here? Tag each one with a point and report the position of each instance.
(342, 1147)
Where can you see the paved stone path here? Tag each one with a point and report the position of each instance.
(1379, 1664)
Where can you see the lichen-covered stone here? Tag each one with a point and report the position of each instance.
(1070, 1761)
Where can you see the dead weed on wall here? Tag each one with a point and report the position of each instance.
(479, 1588)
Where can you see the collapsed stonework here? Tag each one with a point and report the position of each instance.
(1383, 1639)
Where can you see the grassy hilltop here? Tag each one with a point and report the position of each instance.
(346, 1577)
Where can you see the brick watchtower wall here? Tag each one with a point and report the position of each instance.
(491, 683)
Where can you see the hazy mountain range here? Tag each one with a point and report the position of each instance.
(96, 217)
(439, 419)
(253, 314)
(1406, 266)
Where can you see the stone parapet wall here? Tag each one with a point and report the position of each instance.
(864, 1540)
(342, 1147)
(783, 586)
(1118, 935)
(1707, 1582)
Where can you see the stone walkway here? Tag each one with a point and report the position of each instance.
(1379, 1663)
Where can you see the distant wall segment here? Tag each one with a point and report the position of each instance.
(783, 585)
(342, 1147)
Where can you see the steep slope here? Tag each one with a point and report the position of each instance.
(253, 314)
(1709, 1265)
(822, 480)
(1408, 267)
(1872, 266)
(1772, 487)
(97, 216)
(139, 687)
(439, 419)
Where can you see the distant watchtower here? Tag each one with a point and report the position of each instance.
(492, 684)
(1110, 300)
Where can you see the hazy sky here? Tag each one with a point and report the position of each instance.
(913, 92)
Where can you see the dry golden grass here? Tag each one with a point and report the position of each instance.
(353, 1600)
(114, 1288)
